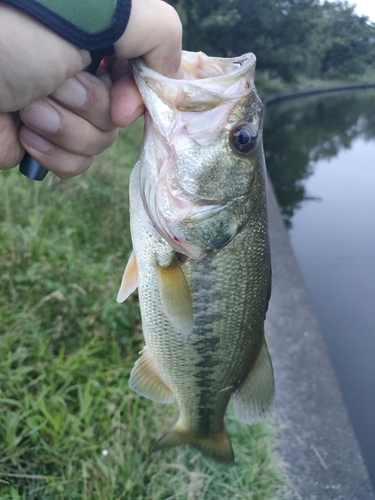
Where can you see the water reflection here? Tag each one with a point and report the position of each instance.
(299, 133)
(324, 149)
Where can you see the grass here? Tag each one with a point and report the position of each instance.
(70, 428)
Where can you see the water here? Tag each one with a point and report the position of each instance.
(321, 157)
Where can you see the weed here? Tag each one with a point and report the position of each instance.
(70, 428)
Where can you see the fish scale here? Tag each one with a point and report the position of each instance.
(202, 305)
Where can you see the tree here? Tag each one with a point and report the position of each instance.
(349, 48)
(277, 31)
(289, 37)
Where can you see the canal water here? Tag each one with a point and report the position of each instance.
(320, 155)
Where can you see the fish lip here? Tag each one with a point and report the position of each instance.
(244, 63)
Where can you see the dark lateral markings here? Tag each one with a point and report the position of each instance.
(207, 343)
(205, 412)
(207, 361)
(204, 379)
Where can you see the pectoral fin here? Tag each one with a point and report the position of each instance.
(146, 380)
(175, 296)
(217, 446)
(129, 281)
(254, 398)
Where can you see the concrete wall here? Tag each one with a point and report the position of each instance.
(317, 442)
(288, 95)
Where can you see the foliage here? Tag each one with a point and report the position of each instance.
(289, 37)
(349, 48)
(70, 428)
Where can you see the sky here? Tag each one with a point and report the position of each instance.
(365, 8)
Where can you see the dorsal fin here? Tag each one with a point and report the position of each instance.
(129, 281)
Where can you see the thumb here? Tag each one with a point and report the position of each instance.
(154, 31)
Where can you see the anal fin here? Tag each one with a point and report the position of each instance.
(175, 296)
(253, 400)
(129, 281)
(216, 446)
(146, 380)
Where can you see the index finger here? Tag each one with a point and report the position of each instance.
(11, 151)
(88, 97)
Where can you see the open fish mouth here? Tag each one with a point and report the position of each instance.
(207, 81)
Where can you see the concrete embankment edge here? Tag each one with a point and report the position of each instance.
(288, 95)
(317, 443)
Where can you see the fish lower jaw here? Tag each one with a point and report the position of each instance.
(190, 251)
(183, 247)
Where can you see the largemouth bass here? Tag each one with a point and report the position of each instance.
(201, 257)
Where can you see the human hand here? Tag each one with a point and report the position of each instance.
(65, 130)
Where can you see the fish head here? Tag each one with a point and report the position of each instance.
(203, 155)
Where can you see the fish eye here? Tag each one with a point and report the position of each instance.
(244, 137)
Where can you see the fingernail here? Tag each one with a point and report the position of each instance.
(42, 116)
(71, 92)
(35, 141)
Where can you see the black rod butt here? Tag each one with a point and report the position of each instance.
(31, 168)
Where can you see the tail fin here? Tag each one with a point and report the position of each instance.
(217, 446)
